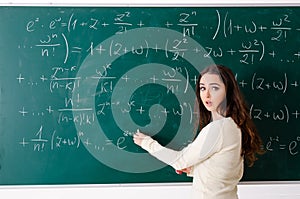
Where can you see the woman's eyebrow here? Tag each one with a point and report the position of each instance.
(214, 84)
(211, 84)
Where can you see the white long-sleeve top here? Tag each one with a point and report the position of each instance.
(215, 158)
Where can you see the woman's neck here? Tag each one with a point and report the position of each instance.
(216, 116)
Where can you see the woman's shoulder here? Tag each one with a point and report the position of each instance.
(224, 122)
(221, 125)
(229, 126)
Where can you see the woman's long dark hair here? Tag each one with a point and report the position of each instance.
(236, 108)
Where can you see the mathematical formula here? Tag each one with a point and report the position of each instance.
(40, 142)
(56, 38)
(275, 143)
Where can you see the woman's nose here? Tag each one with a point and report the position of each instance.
(207, 93)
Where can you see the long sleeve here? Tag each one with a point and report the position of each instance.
(208, 142)
(215, 157)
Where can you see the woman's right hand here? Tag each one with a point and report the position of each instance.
(138, 138)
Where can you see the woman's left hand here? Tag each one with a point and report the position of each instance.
(138, 138)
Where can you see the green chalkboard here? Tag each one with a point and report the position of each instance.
(76, 82)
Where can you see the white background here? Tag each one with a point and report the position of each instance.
(257, 190)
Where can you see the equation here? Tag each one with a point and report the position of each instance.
(249, 51)
(60, 43)
(275, 143)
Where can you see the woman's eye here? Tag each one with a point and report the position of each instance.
(202, 88)
(215, 88)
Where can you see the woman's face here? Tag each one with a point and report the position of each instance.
(212, 91)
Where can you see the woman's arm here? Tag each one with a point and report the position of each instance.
(138, 138)
(207, 143)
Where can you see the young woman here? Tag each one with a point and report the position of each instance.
(227, 137)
